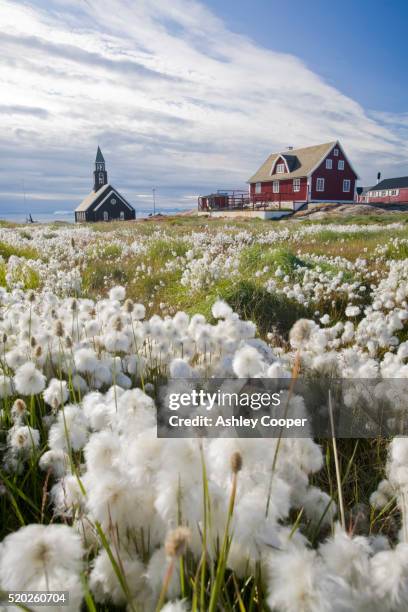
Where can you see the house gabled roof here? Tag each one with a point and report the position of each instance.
(301, 162)
(392, 183)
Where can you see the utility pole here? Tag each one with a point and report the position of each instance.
(154, 200)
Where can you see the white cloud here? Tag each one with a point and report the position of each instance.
(174, 98)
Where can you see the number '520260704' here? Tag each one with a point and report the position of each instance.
(39, 598)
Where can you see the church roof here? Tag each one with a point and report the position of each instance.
(96, 198)
(92, 197)
(99, 156)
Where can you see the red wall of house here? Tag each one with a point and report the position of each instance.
(401, 197)
(286, 193)
(333, 180)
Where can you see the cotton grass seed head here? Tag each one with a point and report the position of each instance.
(301, 332)
(236, 462)
(29, 380)
(59, 329)
(129, 306)
(177, 542)
(18, 409)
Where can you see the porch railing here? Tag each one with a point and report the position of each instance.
(242, 200)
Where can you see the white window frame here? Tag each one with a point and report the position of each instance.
(346, 183)
(329, 164)
(258, 187)
(296, 185)
(122, 215)
(335, 152)
(105, 215)
(320, 184)
(340, 165)
(280, 168)
(275, 187)
(101, 179)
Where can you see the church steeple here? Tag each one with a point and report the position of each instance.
(100, 174)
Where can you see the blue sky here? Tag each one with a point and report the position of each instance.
(189, 96)
(359, 46)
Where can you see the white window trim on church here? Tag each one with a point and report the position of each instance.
(109, 195)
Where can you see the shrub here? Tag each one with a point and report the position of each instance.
(24, 275)
(7, 250)
(162, 250)
(266, 309)
(257, 256)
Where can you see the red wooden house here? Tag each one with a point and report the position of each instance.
(387, 191)
(321, 173)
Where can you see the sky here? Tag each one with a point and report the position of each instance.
(189, 97)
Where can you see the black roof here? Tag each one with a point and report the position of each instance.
(392, 183)
(292, 161)
(95, 197)
(99, 156)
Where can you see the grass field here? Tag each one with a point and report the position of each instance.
(95, 318)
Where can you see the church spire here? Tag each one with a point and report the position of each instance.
(100, 174)
(99, 156)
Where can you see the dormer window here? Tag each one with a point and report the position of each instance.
(335, 152)
(280, 165)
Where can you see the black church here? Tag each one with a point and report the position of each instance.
(104, 203)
